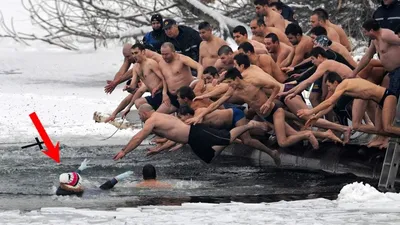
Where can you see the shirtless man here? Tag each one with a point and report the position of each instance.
(318, 19)
(258, 78)
(124, 73)
(259, 31)
(279, 52)
(240, 36)
(256, 98)
(362, 89)
(319, 59)
(277, 7)
(176, 70)
(387, 45)
(150, 178)
(206, 142)
(225, 60)
(272, 18)
(264, 61)
(209, 46)
(302, 44)
(344, 40)
(228, 119)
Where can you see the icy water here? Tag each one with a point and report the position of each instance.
(29, 180)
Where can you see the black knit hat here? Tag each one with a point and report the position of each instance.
(157, 17)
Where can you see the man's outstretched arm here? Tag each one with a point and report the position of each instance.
(136, 139)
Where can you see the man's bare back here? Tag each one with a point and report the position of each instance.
(220, 118)
(253, 74)
(274, 19)
(305, 46)
(388, 47)
(209, 51)
(169, 127)
(268, 65)
(362, 89)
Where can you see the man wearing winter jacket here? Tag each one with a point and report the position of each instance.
(388, 14)
(154, 39)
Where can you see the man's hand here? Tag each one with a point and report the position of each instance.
(295, 75)
(153, 151)
(194, 120)
(265, 107)
(176, 147)
(166, 100)
(215, 82)
(287, 69)
(311, 122)
(119, 155)
(290, 96)
(130, 89)
(125, 113)
(279, 95)
(109, 88)
(110, 118)
(303, 113)
(201, 97)
(84, 165)
(154, 91)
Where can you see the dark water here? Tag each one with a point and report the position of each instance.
(29, 179)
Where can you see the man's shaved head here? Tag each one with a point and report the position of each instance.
(126, 50)
(145, 108)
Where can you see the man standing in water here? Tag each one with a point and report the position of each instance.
(206, 142)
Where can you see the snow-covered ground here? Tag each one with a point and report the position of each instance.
(357, 204)
(65, 88)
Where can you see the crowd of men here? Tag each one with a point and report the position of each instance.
(205, 94)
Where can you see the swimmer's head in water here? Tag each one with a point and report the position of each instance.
(185, 112)
(261, 6)
(205, 31)
(145, 111)
(241, 62)
(257, 26)
(225, 53)
(72, 179)
(318, 55)
(333, 80)
(149, 172)
(138, 52)
(168, 52)
(371, 28)
(156, 22)
(271, 42)
(240, 34)
(294, 33)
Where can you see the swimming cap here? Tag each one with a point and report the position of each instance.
(323, 41)
(72, 178)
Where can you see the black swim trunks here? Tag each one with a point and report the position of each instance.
(394, 84)
(202, 138)
(270, 117)
(387, 93)
(343, 109)
(156, 101)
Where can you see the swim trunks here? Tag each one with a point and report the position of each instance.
(343, 109)
(387, 93)
(394, 84)
(270, 117)
(202, 138)
(156, 101)
(286, 88)
(237, 115)
(230, 106)
(317, 86)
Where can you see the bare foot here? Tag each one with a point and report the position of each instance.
(277, 157)
(346, 135)
(313, 140)
(256, 124)
(376, 142)
(385, 143)
(333, 137)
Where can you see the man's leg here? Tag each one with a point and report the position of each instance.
(140, 101)
(166, 109)
(286, 135)
(248, 140)
(297, 103)
(388, 115)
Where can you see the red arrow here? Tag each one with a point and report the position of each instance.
(52, 151)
